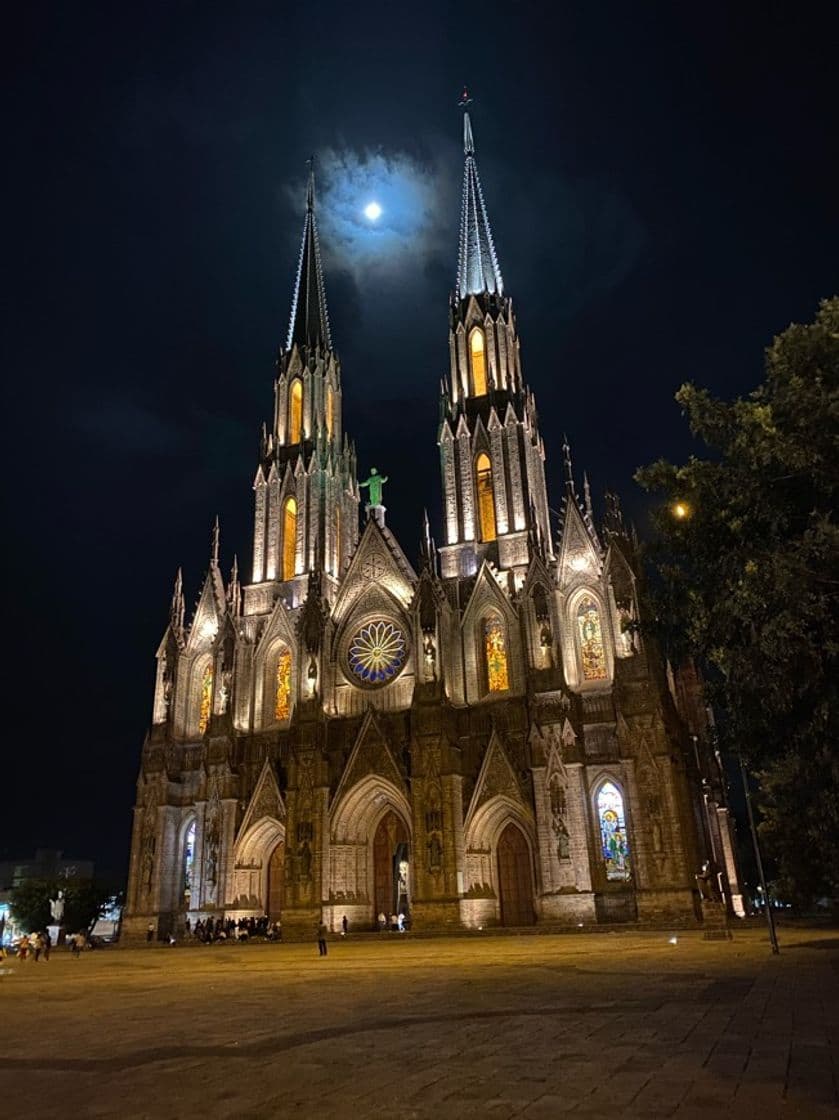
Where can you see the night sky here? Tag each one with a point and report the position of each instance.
(662, 185)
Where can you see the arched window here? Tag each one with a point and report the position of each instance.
(592, 651)
(495, 653)
(205, 703)
(613, 840)
(289, 538)
(330, 411)
(282, 691)
(486, 498)
(189, 864)
(295, 411)
(477, 349)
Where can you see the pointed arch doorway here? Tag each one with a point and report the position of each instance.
(515, 880)
(390, 867)
(275, 887)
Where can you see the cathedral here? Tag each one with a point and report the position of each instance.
(484, 738)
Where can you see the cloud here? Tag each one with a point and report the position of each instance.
(416, 199)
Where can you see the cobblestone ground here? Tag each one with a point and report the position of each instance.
(534, 1026)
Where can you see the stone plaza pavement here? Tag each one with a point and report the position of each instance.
(596, 1025)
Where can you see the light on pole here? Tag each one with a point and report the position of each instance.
(770, 920)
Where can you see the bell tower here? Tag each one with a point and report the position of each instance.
(306, 508)
(491, 454)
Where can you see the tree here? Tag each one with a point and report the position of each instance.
(30, 904)
(83, 903)
(746, 579)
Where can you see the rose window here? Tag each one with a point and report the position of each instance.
(377, 652)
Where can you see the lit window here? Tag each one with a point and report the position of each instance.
(206, 698)
(592, 651)
(495, 650)
(477, 347)
(295, 412)
(189, 863)
(330, 411)
(486, 498)
(282, 696)
(613, 833)
(289, 538)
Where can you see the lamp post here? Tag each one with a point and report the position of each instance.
(770, 920)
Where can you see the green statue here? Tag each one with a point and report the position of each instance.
(375, 483)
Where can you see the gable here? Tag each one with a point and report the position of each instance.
(579, 559)
(496, 778)
(371, 755)
(266, 800)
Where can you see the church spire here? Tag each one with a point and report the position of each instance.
(477, 265)
(309, 322)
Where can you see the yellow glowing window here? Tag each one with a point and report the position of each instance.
(486, 498)
(495, 650)
(282, 696)
(592, 652)
(289, 538)
(295, 412)
(206, 699)
(479, 363)
(330, 411)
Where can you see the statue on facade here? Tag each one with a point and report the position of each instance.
(435, 853)
(707, 883)
(374, 486)
(226, 680)
(430, 653)
(57, 908)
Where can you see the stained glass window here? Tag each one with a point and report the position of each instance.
(282, 693)
(495, 647)
(295, 411)
(613, 832)
(377, 652)
(486, 498)
(289, 538)
(206, 698)
(479, 365)
(592, 652)
(189, 862)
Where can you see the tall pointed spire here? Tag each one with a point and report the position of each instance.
(477, 265)
(309, 322)
(214, 543)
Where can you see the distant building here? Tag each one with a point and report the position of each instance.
(487, 739)
(47, 863)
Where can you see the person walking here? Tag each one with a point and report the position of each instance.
(150, 931)
(345, 925)
(322, 931)
(47, 944)
(76, 938)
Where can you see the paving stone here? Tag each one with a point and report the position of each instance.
(590, 1025)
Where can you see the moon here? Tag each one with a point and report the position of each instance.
(372, 211)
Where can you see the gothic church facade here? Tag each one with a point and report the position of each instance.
(484, 739)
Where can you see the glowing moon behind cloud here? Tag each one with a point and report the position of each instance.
(372, 211)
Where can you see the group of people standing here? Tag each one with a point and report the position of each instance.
(38, 945)
(396, 924)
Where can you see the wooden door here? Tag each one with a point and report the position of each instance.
(276, 883)
(515, 880)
